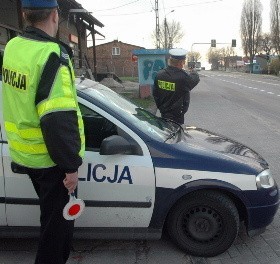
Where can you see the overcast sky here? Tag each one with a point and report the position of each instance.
(133, 21)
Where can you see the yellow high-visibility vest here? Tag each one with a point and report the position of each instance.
(23, 64)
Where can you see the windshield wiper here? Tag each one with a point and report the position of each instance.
(173, 134)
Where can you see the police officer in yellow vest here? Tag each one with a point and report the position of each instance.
(43, 122)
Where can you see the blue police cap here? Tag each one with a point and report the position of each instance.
(39, 4)
(178, 54)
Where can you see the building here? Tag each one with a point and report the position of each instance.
(115, 57)
(233, 62)
(75, 25)
(10, 21)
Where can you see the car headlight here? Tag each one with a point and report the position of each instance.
(265, 180)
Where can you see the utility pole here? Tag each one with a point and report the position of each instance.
(253, 39)
(165, 33)
(157, 25)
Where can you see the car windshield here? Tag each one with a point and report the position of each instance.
(148, 123)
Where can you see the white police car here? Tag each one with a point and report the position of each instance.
(142, 173)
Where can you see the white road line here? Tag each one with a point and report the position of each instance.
(236, 77)
(239, 84)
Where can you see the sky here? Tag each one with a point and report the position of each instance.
(133, 21)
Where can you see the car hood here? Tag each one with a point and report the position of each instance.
(215, 142)
(200, 149)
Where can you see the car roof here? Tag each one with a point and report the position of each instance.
(84, 83)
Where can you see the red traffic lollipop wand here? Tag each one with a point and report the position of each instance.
(74, 208)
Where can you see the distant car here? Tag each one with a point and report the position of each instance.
(198, 66)
(142, 173)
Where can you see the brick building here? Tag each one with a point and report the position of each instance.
(115, 57)
(75, 26)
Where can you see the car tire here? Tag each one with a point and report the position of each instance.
(204, 223)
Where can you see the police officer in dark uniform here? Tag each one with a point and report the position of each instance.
(172, 87)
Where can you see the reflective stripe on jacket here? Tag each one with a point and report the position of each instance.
(38, 80)
(172, 88)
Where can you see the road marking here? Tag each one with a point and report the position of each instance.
(236, 77)
(239, 84)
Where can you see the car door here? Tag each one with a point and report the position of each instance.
(22, 203)
(119, 189)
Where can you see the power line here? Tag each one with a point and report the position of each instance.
(129, 14)
(143, 12)
(113, 8)
(201, 3)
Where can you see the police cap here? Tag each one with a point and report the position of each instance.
(178, 54)
(38, 4)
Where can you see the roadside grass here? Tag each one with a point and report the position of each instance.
(146, 103)
(130, 78)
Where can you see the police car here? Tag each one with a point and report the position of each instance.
(142, 174)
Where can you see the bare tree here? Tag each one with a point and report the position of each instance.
(275, 24)
(194, 56)
(220, 57)
(171, 32)
(266, 43)
(250, 27)
(226, 54)
(214, 58)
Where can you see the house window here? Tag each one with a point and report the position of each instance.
(116, 51)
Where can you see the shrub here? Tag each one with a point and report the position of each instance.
(275, 66)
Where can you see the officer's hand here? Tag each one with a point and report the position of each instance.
(71, 181)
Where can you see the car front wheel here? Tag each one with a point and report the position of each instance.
(204, 223)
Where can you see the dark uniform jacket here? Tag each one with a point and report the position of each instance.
(171, 91)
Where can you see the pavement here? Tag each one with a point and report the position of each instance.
(261, 249)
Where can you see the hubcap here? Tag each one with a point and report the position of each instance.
(202, 224)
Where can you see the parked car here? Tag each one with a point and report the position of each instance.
(143, 174)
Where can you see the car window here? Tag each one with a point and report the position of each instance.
(143, 120)
(97, 128)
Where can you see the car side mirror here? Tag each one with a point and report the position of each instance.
(115, 145)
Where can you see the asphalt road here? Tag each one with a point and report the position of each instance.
(241, 106)
(244, 107)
